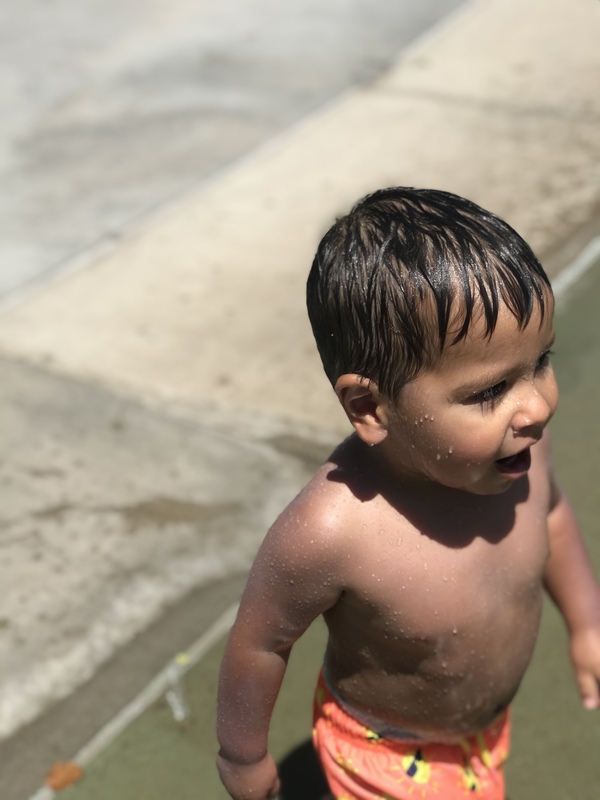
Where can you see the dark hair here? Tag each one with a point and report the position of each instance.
(383, 271)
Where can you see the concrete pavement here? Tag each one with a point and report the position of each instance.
(108, 110)
(197, 320)
(205, 307)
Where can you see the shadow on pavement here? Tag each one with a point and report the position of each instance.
(301, 775)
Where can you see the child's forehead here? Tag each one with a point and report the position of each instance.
(478, 318)
(506, 340)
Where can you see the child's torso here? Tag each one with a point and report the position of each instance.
(441, 608)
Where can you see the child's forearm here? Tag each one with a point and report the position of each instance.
(248, 687)
(569, 577)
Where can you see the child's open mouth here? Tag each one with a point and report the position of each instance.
(515, 466)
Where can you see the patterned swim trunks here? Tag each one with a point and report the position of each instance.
(360, 764)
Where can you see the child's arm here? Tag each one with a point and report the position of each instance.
(570, 581)
(291, 583)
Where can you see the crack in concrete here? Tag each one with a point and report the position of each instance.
(512, 109)
(159, 511)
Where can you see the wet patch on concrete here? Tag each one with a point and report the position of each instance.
(112, 513)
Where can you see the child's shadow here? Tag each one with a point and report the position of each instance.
(301, 775)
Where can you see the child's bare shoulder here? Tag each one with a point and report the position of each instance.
(300, 568)
(325, 512)
(322, 509)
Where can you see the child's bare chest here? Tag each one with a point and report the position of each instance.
(405, 582)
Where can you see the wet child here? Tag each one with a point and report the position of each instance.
(428, 537)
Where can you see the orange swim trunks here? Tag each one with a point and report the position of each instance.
(360, 764)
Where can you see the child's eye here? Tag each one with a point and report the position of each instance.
(490, 395)
(544, 360)
(493, 393)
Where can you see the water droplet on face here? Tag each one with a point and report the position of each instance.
(438, 456)
(451, 449)
(454, 631)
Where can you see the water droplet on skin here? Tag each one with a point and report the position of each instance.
(444, 664)
(426, 416)
(445, 578)
(454, 631)
(438, 456)
(451, 449)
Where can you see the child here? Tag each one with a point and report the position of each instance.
(426, 539)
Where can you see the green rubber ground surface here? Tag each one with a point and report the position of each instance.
(556, 744)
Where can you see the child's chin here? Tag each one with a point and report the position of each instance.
(487, 485)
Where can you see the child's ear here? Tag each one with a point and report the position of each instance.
(363, 404)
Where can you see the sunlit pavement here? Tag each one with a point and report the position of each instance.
(176, 326)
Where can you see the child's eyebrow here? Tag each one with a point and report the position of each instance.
(486, 379)
(482, 381)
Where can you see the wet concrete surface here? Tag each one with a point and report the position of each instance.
(111, 512)
(61, 731)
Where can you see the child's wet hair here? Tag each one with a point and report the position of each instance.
(405, 273)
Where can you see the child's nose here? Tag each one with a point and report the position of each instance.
(535, 410)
